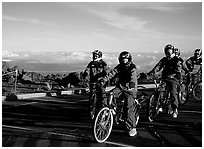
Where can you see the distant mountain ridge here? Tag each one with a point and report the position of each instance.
(62, 62)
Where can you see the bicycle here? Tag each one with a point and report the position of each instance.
(94, 103)
(160, 99)
(106, 116)
(195, 86)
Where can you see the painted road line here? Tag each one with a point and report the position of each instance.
(65, 135)
(118, 144)
(185, 111)
(28, 129)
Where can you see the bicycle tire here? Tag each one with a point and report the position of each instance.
(152, 107)
(197, 91)
(103, 125)
(182, 94)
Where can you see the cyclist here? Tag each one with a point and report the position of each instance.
(171, 73)
(194, 63)
(178, 54)
(97, 68)
(127, 79)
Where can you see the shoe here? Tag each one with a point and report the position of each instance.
(175, 114)
(160, 109)
(133, 132)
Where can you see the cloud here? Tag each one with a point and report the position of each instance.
(27, 20)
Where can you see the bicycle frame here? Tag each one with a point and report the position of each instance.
(105, 117)
(159, 99)
(93, 101)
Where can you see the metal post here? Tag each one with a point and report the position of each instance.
(16, 81)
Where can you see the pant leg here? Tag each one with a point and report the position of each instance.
(103, 96)
(173, 94)
(129, 111)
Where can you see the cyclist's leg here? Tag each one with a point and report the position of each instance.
(129, 111)
(103, 96)
(91, 106)
(173, 95)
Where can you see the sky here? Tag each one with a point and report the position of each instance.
(108, 26)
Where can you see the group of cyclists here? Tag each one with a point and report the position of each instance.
(172, 66)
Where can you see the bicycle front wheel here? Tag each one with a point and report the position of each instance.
(182, 94)
(103, 125)
(197, 91)
(153, 107)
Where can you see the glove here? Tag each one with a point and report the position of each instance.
(101, 81)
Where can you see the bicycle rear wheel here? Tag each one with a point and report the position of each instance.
(197, 91)
(153, 107)
(103, 125)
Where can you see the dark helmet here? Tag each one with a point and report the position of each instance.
(98, 53)
(167, 47)
(197, 52)
(177, 51)
(125, 55)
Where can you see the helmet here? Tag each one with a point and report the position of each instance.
(177, 52)
(167, 47)
(97, 53)
(198, 53)
(125, 55)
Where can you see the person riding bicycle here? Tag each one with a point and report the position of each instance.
(177, 53)
(171, 73)
(96, 69)
(127, 79)
(194, 63)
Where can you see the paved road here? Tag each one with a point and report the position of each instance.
(63, 121)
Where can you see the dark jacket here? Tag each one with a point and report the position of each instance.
(127, 75)
(192, 61)
(96, 70)
(171, 67)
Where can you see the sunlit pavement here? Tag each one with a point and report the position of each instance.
(63, 121)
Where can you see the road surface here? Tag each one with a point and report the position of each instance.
(63, 121)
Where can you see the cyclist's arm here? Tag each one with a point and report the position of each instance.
(189, 64)
(158, 66)
(111, 74)
(86, 71)
(178, 70)
(133, 81)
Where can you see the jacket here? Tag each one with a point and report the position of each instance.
(127, 75)
(171, 67)
(192, 61)
(96, 70)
